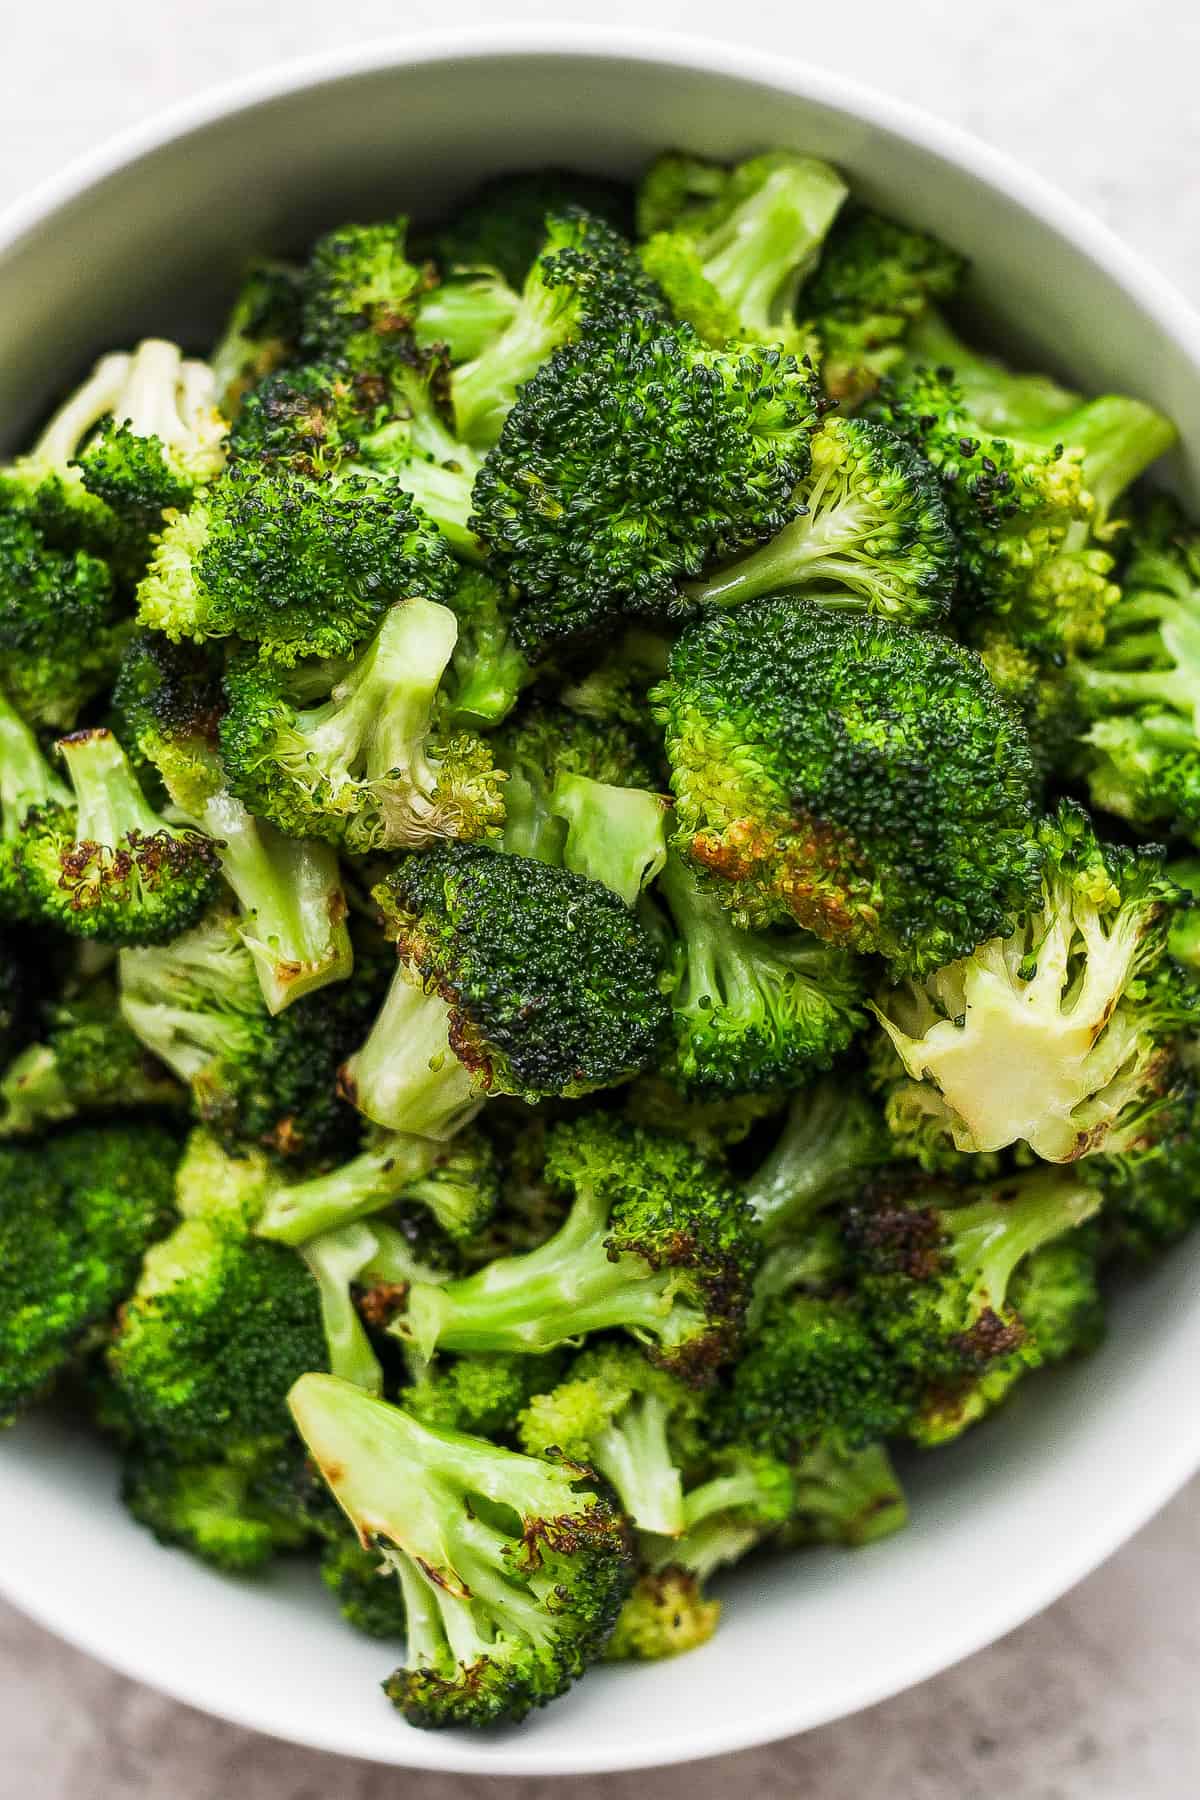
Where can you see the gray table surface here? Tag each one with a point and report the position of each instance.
(1097, 1699)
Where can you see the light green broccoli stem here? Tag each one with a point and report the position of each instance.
(987, 1239)
(634, 1453)
(1118, 439)
(353, 1191)
(73, 423)
(759, 257)
(830, 1136)
(465, 315)
(26, 778)
(290, 894)
(1115, 681)
(405, 1076)
(483, 390)
(357, 1255)
(615, 835)
(110, 805)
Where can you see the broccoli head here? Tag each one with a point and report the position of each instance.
(212, 1509)
(488, 669)
(512, 1569)
(666, 1614)
(858, 777)
(1060, 1034)
(1152, 1193)
(502, 225)
(484, 1394)
(29, 790)
(261, 331)
(84, 1060)
(845, 1497)
(61, 633)
(360, 294)
(832, 1138)
(362, 1583)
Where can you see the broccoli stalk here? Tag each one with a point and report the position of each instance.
(1001, 400)
(165, 439)
(743, 1504)
(382, 1173)
(832, 1136)
(364, 1256)
(464, 315)
(406, 1076)
(499, 1620)
(613, 834)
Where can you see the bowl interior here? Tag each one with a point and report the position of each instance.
(1001, 1523)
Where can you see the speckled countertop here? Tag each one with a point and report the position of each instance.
(1098, 1698)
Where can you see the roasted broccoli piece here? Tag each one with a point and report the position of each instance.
(1139, 692)
(462, 315)
(361, 1582)
(360, 294)
(1152, 1194)
(999, 398)
(484, 1395)
(83, 1060)
(488, 669)
(29, 790)
(858, 777)
(666, 1614)
(845, 1497)
(753, 1010)
(76, 1213)
(61, 630)
(586, 276)
(361, 767)
(514, 978)
(1060, 1034)
(502, 225)
(210, 1508)
(261, 331)
(630, 461)
(873, 288)
(731, 248)
(458, 1182)
(658, 1242)
(302, 567)
(105, 864)
(512, 1569)
(870, 533)
(832, 1138)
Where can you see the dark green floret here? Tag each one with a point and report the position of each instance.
(1152, 1193)
(61, 630)
(368, 1596)
(658, 1242)
(29, 790)
(214, 1509)
(753, 1010)
(261, 331)
(484, 1394)
(854, 776)
(502, 225)
(512, 1569)
(514, 978)
(361, 293)
(76, 1213)
(630, 461)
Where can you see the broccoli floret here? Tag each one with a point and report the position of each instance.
(29, 790)
(84, 1060)
(106, 865)
(1058, 1035)
(262, 331)
(46, 484)
(362, 1583)
(1039, 686)
(514, 978)
(667, 1614)
(1000, 399)
(873, 288)
(196, 1004)
(361, 294)
(502, 225)
(308, 419)
(858, 777)
(1152, 1194)
(305, 568)
(753, 1010)
(713, 1122)
(361, 768)
(613, 689)
(743, 1502)
(846, 1497)
(512, 1569)
(585, 275)
(61, 634)
(1140, 691)
(832, 1137)
(629, 462)
(1183, 939)
(164, 440)
(871, 533)
(413, 444)
(731, 248)
(484, 1395)
(209, 1508)
(167, 703)
(76, 1213)
(937, 1269)
(616, 1413)
(488, 669)
(657, 1242)
(458, 1182)
(462, 316)
(220, 1323)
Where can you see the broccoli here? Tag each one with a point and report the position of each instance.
(83, 1061)
(484, 1395)
(293, 909)
(997, 397)
(1039, 686)
(462, 316)
(414, 445)
(871, 533)
(612, 688)
(360, 294)
(61, 633)
(308, 419)
(832, 1138)
(105, 864)
(488, 669)
(585, 277)
(458, 1182)
(1183, 938)
(302, 567)
(936, 1269)
(513, 978)
(743, 1504)
(210, 1508)
(163, 441)
(361, 1583)
(1058, 1035)
(731, 248)
(873, 288)
(261, 331)
(845, 1497)
(502, 225)
(361, 768)
(616, 1413)
(363, 1272)
(858, 777)
(753, 1010)
(631, 460)
(512, 1569)
(667, 1614)
(76, 1212)
(657, 1242)
(1140, 691)
(1152, 1193)
(714, 1122)
(220, 1324)
(46, 484)
(29, 790)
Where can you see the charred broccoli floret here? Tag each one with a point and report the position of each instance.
(854, 776)
(61, 630)
(512, 1569)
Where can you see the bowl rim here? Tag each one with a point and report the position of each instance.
(1152, 292)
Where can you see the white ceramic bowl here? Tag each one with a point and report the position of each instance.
(147, 235)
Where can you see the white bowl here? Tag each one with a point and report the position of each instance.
(147, 235)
